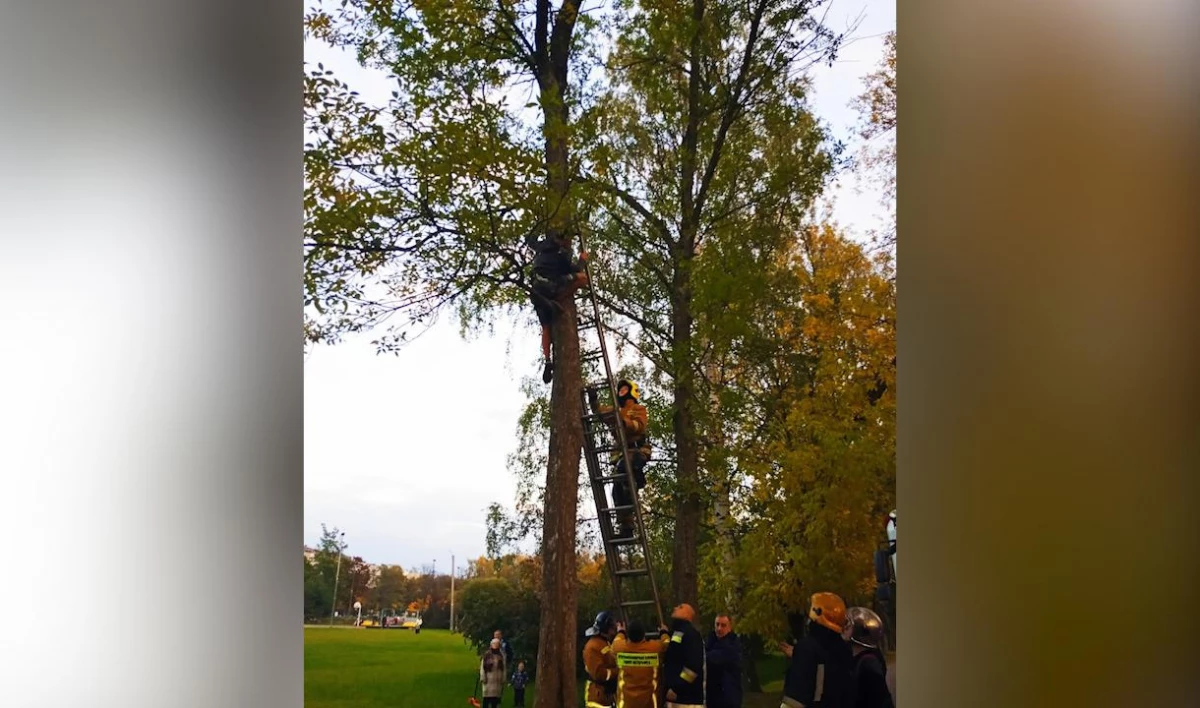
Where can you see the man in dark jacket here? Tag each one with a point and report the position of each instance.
(869, 668)
(683, 664)
(554, 275)
(504, 647)
(819, 673)
(724, 665)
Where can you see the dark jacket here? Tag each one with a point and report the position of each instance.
(869, 671)
(553, 262)
(819, 675)
(683, 664)
(519, 680)
(724, 671)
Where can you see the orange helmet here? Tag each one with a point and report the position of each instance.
(828, 610)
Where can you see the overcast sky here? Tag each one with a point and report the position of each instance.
(404, 453)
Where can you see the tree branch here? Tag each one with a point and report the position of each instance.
(731, 108)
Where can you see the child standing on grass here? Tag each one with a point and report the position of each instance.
(519, 681)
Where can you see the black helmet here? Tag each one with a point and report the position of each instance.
(604, 622)
(866, 628)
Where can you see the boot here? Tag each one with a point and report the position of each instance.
(625, 525)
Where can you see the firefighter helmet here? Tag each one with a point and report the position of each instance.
(866, 627)
(828, 610)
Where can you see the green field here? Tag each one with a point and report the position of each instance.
(347, 667)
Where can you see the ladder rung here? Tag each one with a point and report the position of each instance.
(623, 540)
(596, 386)
(596, 417)
(610, 509)
(584, 322)
(611, 477)
(631, 572)
(632, 603)
(593, 355)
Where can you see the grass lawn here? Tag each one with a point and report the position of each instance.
(347, 667)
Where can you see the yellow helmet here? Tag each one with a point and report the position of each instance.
(634, 392)
(828, 610)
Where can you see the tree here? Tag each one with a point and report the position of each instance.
(391, 589)
(358, 579)
(317, 593)
(704, 123)
(820, 476)
(425, 203)
(877, 128)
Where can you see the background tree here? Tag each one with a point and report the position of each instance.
(819, 478)
(391, 589)
(877, 127)
(318, 593)
(704, 121)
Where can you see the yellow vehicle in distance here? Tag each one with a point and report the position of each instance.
(390, 619)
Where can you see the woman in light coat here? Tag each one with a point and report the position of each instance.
(492, 673)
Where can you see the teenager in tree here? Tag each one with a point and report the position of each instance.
(634, 419)
(555, 274)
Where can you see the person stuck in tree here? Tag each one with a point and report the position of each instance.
(519, 680)
(599, 662)
(635, 420)
(554, 274)
(638, 663)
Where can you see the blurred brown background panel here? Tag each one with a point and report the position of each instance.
(1049, 436)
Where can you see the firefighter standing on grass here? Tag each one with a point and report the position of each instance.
(683, 665)
(639, 664)
(819, 673)
(869, 670)
(635, 421)
(600, 663)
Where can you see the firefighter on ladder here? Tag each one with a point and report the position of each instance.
(635, 420)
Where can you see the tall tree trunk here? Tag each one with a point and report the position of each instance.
(557, 648)
(685, 561)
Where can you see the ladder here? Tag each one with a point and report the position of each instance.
(599, 442)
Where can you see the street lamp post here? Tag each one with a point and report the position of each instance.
(336, 574)
(452, 569)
